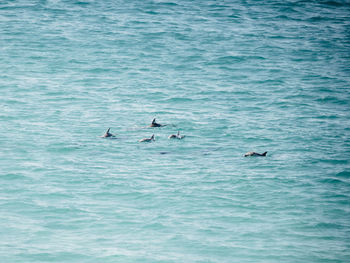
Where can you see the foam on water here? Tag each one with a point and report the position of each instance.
(231, 76)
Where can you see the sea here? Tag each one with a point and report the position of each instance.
(232, 76)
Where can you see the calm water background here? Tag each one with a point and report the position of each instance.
(233, 76)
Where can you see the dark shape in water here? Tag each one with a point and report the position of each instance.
(108, 134)
(255, 154)
(154, 124)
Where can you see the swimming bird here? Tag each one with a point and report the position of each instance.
(108, 134)
(154, 124)
(148, 139)
(255, 154)
(176, 136)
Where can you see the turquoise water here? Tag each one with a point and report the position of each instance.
(233, 76)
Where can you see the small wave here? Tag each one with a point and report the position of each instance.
(327, 117)
(324, 225)
(82, 3)
(227, 59)
(333, 181)
(344, 174)
(99, 70)
(151, 12)
(316, 18)
(326, 3)
(168, 4)
(154, 35)
(335, 3)
(13, 176)
(332, 99)
(179, 99)
(283, 17)
(63, 148)
(333, 161)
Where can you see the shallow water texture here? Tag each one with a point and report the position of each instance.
(232, 76)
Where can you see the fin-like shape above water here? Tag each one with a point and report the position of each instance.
(155, 124)
(108, 134)
(148, 139)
